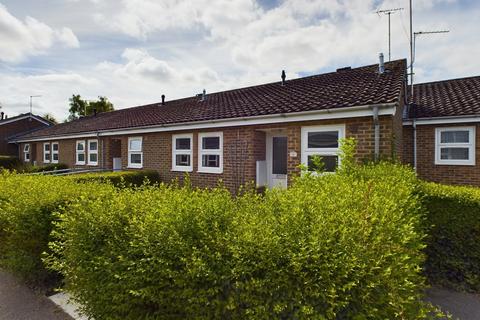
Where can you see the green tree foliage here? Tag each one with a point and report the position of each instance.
(80, 107)
(50, 117)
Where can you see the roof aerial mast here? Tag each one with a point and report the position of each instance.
(389, 12)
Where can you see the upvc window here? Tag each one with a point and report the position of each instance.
(92, 152)
(46, 152)
(54, 152)
(182, 152)
(26, 152)
(135, 153)
(210, 152)
(80, 152)
(322, 141)
(455, 146)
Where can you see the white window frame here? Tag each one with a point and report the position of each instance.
(45, 152)
(176, 152)
(130, 152)
(26, 152)
(202, 152)
(89, 162)
(52, 152)
(306, 151)
(77, 152)
(470, 145)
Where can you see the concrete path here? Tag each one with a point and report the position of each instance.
(463, 306)
(18, 302)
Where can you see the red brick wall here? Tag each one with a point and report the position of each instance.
(426, 168)
(15, 128)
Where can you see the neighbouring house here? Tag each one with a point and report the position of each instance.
(10, 128)
(441, 135)
(258, 134)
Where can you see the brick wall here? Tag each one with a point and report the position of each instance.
(15, 128)
(426, 167)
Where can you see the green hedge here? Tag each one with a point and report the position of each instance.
(453, 245)
(27, 204)
(125, 178)
(45, 168)
(9, 163)
(345, 246)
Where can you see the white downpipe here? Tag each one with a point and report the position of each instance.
(376, 125)
(414, 124)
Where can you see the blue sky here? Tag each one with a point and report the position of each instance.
(133, 51)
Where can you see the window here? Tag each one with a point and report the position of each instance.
(46, 152)
(26, 152)
(54, 152)
(92, 152)
(321, 141)
(455, 146)
(135, 154)
(182, 152)
(210, 152)
(80, 153)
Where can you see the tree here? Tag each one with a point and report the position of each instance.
(80, 107)
(50, 117)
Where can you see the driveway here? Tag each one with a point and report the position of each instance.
(18, 302)
(463, 306)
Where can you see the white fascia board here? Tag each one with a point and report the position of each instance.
(341, 113)
(449, 120)
(25, 117)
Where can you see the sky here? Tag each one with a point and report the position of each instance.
(133, 51)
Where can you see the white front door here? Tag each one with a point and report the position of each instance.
(277, 160)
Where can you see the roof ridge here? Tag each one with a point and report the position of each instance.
(446, 80)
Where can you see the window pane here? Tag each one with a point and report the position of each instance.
(211, 160)
(55, 147)
(182, 144)
(47, 156)
(27, 156)
(211, 143)
(46, 147)
(93, 157)
(327, 163)
(26, 148)
(93, 145)
(454, 153)
(279, 155)
(136, 158)
(324, 139)
(460, 136)
(80, 146)
(80, 157)
(135, 145)
(55, 157)
(182, 160)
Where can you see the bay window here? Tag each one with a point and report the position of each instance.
(210, 152)
(322, 142)
(182, 152)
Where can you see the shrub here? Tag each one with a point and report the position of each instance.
(453, 244)
(9, 163)
(27, 204)
(45, 168)
(345, 246)
(126, 178)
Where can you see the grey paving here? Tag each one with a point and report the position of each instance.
(18, 302)
(463, 306)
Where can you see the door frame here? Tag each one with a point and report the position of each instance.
(274, 180)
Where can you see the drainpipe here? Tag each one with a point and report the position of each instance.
(376, 125)
(414, 123)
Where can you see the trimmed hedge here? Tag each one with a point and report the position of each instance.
(345, 246)
(120, 178)
(453, 245)
(45, 168)
(9, 163)
(27, 204)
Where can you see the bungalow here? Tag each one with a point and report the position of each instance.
(10, 128)
(262, 133)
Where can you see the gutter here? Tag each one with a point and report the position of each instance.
(340, 113)
(443, 120)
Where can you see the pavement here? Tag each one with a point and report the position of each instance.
(462, 306)
(18, 302)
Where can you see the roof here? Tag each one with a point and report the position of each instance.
(25, 116)
(330, 91)
(448, 98)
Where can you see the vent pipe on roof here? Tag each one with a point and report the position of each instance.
(163, 99)
(204, 95)
(381, 64)
(284, 76)
(2, 114)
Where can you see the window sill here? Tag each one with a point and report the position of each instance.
(134, 167)
(80, 163)
(455, 163)
(92, 164)
(179, 169)
(210, 171)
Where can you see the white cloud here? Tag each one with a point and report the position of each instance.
(19, 39)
